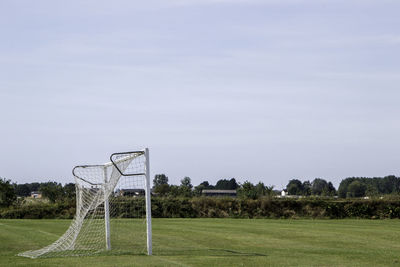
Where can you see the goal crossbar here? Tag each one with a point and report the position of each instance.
(111, 163)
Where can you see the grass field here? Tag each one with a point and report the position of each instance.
(225, 242)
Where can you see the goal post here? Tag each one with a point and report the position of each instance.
(113, 209)
(106, 213)
(148, 206)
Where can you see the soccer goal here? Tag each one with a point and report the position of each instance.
(113, 210)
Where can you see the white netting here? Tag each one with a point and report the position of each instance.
(98, 188)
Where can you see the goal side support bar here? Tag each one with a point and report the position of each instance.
(148, 205)
(106, 211)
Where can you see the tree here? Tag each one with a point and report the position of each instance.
(371, 191)
(344, 186)
(173, 191)
(263, 190)
(70, 191)
(232, 184)
(198, 190)
(356, 189)
(319, 187)
(260, 189)
(52, 191)
(22, 190)
(206, 185)
(202, 186)
(373, 186)
(247, 190)
(390, 184)
(162, 189)
(306, 188)
(7, 193)
(294, 187)
(331, 189)
(269, 190)
(186, 187)
(187, 182)
(160, 184)
(34, 186)
(160, 179)
(224, 184)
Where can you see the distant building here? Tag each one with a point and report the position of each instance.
(218, 193)
(284, 194)
(36, 194)
(130, 192)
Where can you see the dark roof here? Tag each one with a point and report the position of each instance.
(132, 190)
(217, 191)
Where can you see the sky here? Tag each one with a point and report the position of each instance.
(256, 90)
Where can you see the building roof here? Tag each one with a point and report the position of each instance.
(132, 190)
(217, 191)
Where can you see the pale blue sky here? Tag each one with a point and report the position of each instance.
(256, 90)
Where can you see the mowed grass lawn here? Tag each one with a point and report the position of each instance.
(225, 242)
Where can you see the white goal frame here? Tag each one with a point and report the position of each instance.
(95, 185)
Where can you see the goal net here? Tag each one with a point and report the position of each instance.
(113, 213)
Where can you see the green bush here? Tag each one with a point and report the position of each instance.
(209, 207)
(39, 211)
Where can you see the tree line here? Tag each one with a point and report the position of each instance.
(247, 189)
(318, 187)
(162, 188)
(53, 191)
(371, 187)
(352, 187)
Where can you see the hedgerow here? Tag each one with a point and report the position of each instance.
(208, 207)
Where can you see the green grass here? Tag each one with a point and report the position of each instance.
(225, 242)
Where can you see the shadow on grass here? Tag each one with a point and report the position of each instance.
(176, 252)
(209, 252)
